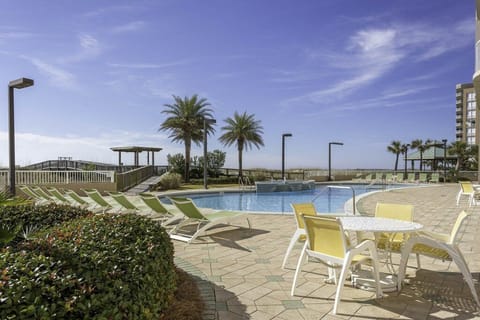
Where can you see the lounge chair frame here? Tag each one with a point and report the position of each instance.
(203, 222)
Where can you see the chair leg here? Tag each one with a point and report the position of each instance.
(297, 270)
(462, 265)
(294, 240)
(341, 280)
(403, 262)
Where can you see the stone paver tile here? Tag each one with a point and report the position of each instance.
(228, 315)
(256, 293)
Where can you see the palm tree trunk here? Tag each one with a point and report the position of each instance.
(421, 161)
(188, 147)
(240, 152)
(396, 161)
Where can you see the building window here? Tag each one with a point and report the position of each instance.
(471, 96)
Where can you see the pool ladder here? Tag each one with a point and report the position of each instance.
(244, 183)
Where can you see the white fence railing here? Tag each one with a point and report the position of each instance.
(59, 177)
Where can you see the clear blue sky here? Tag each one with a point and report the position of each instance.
(360, 72)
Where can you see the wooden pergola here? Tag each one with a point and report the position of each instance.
(136, 151)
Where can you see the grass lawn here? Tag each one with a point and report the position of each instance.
(211, 186)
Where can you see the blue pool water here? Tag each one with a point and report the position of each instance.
(326, 199)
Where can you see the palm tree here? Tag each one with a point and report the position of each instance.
(396, 148)
(243, 130)
(463, 152)
(185, 119)
(422, 147)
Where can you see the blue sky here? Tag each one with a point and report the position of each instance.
(360, 72)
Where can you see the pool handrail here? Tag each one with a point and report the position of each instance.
(341, 187)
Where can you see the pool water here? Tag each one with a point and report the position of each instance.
(326, 199)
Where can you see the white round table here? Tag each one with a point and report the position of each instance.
(362, 278)
(375, 224)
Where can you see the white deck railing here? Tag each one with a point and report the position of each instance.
(58, 177)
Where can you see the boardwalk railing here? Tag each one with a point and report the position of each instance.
(131, 178)
(41, 177)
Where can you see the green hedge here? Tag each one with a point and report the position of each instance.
(40, 217)
(99, 267)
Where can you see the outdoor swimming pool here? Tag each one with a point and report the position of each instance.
(326, 199)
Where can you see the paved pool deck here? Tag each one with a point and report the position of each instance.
(240, 274)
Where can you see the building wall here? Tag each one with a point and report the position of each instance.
(466, 115)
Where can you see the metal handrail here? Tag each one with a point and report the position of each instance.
(341, 187)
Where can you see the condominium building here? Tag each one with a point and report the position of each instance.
(476, 75)
(466, 114)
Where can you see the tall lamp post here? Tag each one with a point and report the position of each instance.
(14, 84)
(330, 158)
(283, 153)
(406, 153)
(205, 154)
(444, 160)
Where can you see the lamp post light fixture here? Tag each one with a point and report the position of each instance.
(283, 153)
(205, 153)
(444, 160)
(330, 158)
(406, 153)
(14, 84)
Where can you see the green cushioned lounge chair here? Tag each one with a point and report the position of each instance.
(167, 215)
(98, 199)
(198, 221)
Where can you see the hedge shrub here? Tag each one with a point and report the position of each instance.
(40, 217)
(170, 180)
(99, 267)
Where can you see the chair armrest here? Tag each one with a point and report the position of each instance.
(435, 235)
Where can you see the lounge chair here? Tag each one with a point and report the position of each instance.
(389, 177)
(203, 222)
(439, 246)
(368, 178)
(411, 177)
(399, 177)
(58, 195)
(124, 202)
(326, 241)
(435, 178)
(159, 211)
(30, 194)
(98, 199)
(299, 209)
(467, 189)
(47, 197)
(422, 177)
(76, 199)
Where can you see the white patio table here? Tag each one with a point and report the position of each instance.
(363, 279)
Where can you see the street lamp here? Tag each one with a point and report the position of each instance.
(406, 153)
(205, 155)
(444, 160)
(15, 84)
(283, 153)
(330, 158)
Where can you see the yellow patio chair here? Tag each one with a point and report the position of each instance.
(327, 243)
(466, 189)
(440, 246)
(298, 209)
